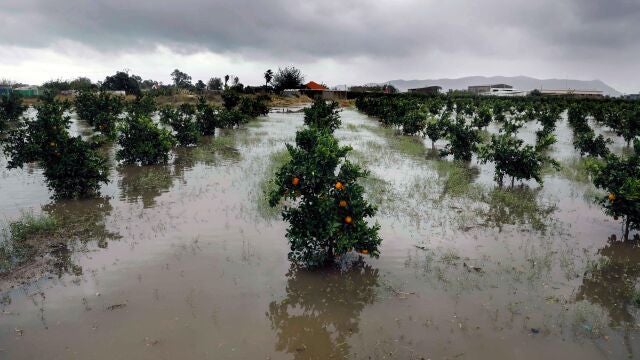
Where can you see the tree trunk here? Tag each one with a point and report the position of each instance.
(626, 229)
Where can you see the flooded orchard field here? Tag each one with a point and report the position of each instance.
(187, 260)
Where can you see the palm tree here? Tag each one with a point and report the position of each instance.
(226, 80)
(268, 75)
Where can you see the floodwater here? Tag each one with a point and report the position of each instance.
(187, 261)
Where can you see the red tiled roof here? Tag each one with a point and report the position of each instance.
(312, 85)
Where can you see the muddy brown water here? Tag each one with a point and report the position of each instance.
(187, 261)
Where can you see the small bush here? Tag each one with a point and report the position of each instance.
(323, 115)
(11, 108)
(100, 110)
(463, 140)
(619, 176)
(142, 141)
(206, 117)
(182, 122)
(72, 167)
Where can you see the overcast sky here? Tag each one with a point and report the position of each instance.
(335, 42)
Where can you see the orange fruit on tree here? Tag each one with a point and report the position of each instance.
(348, 220)
(295, 181)
(339, 186)
(365, 251)
(342, 203)
(612, 197)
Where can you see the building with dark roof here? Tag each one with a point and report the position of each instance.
(428, 90)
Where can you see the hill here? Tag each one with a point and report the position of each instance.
(518, 82)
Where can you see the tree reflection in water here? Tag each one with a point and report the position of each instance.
(82, 221)
(322, 309)
(611, 284)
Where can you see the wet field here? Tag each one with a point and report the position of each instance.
(188, 261)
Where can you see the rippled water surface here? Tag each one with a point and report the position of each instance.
(186, 260)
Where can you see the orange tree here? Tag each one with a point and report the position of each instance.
(325, 205)
(182, 121)
(619, 176)
(100, 110)
(11, 109)
(142, 141)
(72, 167)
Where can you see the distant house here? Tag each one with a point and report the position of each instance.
(27, 91)
(590, 94)
(505, 92)
(312, 85)
(480, 89)
(631, 97)
(429, 90)
(5, 90)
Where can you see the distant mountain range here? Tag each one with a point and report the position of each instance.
(518, 82)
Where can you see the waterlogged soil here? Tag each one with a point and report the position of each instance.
(188, 261)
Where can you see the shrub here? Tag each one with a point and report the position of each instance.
(590, 144)
(437, 128)
(232, 118)
(414, 122)
(206, 117)
(72, 167)
(100, 110)
(77, 171)
(230, 99)
(620, 176)
(144, 105)
(254, 106)
(327, 211)
(463, 140)
(11, 108)
(142, 141)
(483, 117)
(514, 159)
(323, 115)
(182, 122)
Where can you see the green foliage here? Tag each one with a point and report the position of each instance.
(206, 117)
(323, 115)
(515, 159)
(590, 144)
(414, 122)
(437, 128)
(77, 169)
(15, 248)
(327, 211)
(11, 108)
(122, 81)
(180, 79)
(254, 106)
(142, 141)
(182, 121)
(232, 118)
(287, 78)
(620, 177)
(483, 117)
(144, 105)
(101, 110)
(72, 167)
(463, 140)
(230, 99)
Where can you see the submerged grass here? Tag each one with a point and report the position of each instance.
(20, 238)
(408, 145)
(276, 161)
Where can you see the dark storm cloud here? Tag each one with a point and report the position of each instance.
(327, 29)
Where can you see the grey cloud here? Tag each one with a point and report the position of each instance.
(307, 29)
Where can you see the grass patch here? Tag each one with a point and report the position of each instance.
(267, 185)
(19, 238)
(408, 145)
